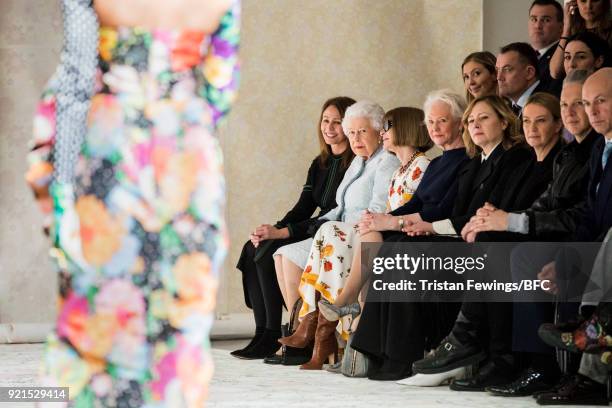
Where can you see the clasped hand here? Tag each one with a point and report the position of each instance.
(267, 231)
(487, 218)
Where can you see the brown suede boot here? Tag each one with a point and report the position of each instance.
(325, 344)
(304, 333)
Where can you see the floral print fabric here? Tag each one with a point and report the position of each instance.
(140, 236)
(331, 254)
(405, 181)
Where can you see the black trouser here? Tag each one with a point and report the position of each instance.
(488, 323)
(261, 290)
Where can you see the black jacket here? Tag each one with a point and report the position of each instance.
(527, 180)
(597, 218)
(319, 191)
(554, 215)
(549, 84)
(478, 180)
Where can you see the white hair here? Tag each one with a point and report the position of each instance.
(455, 101)
(364, 109)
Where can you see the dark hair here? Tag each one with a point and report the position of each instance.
(527, 55)
(484, 58)
(409, 128)
(341, 103)
(603, 26)
(553, 3)
(598, 46)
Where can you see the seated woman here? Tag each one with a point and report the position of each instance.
(517, 189)
(364, 187)
(261, 289)
(581, 17)
(432, 200)
(585, 51)
(479, 79)
(397, 333)
(552, 217)
(404, 134)
(479, 75)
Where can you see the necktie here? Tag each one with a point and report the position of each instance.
(516, 109)
(606, 154)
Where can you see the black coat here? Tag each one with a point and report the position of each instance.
(319, 191)
(553, 216)
(549, 84)
(522, 185)
(478, 180)
(597, 218)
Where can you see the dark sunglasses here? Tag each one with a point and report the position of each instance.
(387, 125)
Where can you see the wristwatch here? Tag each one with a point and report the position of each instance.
(401, 223)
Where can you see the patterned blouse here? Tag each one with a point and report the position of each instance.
(405, 181)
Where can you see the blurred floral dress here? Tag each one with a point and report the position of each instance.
(331, 255)
(140, 239)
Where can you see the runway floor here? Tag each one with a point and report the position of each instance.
(240, 383)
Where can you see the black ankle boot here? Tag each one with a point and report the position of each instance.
(267, 345)
(259, 331)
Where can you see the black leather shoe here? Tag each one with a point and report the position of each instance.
(561, 383)
(449, 355)
(291, 356)
(488, 375)
(295, 356)
(580, 390)
(274, 359)
(529, 381)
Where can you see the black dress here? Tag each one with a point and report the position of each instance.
(261, 290)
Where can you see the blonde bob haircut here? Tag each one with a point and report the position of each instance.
(409, 128)
(511, 135)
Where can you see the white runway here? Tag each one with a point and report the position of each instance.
(241, 383)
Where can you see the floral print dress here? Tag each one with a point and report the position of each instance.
(331, 255)
(140, 236)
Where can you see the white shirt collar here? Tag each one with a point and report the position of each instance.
(484, 157)
(523, 99)
(543, 51)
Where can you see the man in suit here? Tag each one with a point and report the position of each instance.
(517, 74)
(545, 27)
(597, 100)
(588, 386)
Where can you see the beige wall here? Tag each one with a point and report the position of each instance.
(296, 54)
